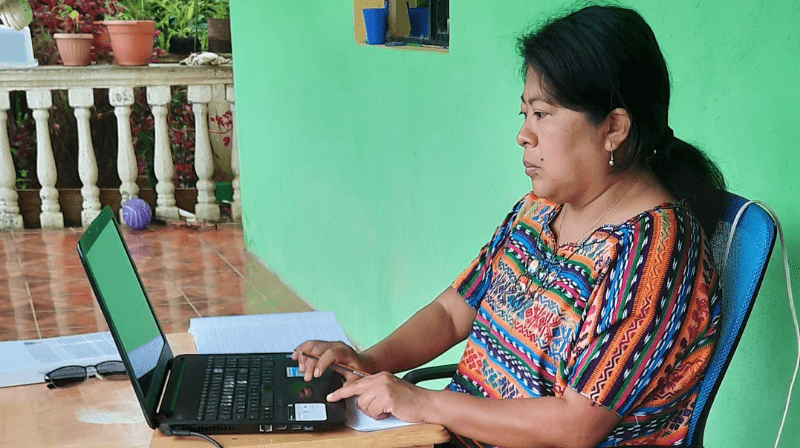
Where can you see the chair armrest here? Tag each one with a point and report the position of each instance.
(430, 373)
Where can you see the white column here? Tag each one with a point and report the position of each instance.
(206, 208)
(81, 100)
(158, 97)
(236, 206)
(10, 219)
(122, 100)
(41, 100)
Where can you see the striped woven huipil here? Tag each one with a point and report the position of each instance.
(627, 317)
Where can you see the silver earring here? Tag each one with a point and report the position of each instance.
(611, 162)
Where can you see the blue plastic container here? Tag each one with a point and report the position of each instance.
(375, 23)
(419, 18)
(16, 50)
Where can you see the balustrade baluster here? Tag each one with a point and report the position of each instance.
(10, 219)
(206, 208)
(158, 97)
(236, 206)
(40, 101)
(81, 100)
(122, 100)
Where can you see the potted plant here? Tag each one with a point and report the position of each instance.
(131, 32)
(74, 46)
(49, 17)
(179, 23)
(191, 25)
(219, 25)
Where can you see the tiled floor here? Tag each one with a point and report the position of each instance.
(187, 272)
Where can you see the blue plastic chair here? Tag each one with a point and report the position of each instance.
(741, 274)
(740, 278)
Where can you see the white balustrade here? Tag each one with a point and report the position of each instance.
(158, 97)
(9, 210)
(122, 100)
(80, 82)
(206, 208)
(40, 101)
(81, 100)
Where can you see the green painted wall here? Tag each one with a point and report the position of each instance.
(372, 176)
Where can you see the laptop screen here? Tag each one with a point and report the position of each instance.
(128, 312)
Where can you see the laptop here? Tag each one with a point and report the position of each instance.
(208, 394)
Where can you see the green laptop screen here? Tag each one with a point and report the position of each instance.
(128, 309)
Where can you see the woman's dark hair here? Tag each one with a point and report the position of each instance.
(605, 57)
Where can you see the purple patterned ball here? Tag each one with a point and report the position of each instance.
(136, 213)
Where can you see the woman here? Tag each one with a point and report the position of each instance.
(591, 314)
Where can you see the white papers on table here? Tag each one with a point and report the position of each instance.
(360, 421)
(26, 362)
(263, 333)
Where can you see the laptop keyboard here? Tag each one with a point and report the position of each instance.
(238, 388)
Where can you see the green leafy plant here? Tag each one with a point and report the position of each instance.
(217, 9)
(184, 18)
(213, 9)
(22, 132)
(176, 19)
(133, 10)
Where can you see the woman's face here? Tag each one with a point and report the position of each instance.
(564, 153)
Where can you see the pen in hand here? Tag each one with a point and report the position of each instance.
(336, 365)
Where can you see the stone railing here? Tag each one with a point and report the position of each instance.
(80, 82)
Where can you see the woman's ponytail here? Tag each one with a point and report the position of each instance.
(689, 174)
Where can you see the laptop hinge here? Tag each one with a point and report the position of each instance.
(159, 413)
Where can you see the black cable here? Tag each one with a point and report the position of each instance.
(182, 433)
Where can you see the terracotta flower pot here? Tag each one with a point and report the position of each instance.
(75, 49)
(102, 41)
(131, 40)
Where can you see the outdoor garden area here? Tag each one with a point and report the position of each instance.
(177, 29)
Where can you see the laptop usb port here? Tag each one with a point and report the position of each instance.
(296, 427)
(280, 427)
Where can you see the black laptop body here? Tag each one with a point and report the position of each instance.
(199, 393)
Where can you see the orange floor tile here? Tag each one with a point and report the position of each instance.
(187, 272)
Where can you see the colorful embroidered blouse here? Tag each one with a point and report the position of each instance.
(627, 318)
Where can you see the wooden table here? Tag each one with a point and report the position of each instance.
(99, 414)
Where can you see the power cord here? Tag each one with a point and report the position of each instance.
(183, 433)
(774, 217)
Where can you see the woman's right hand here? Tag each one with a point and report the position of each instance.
(329, 353)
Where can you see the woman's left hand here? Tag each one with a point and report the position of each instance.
(384, 394)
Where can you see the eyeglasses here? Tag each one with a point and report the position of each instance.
(71, 375)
